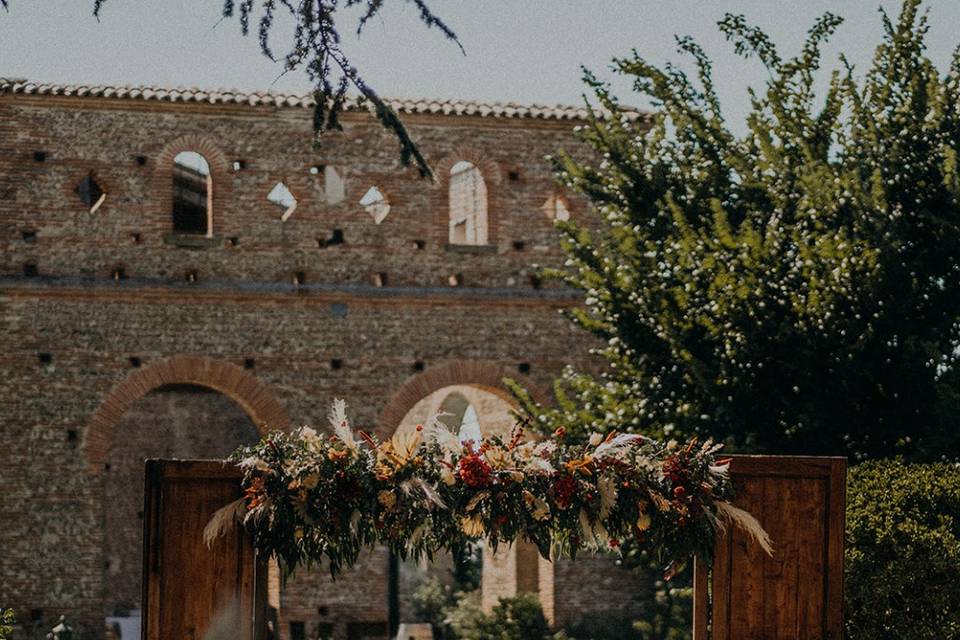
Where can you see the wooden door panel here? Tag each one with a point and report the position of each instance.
(190, 590)
(797, 593)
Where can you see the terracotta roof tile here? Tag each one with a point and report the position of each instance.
(447, 107)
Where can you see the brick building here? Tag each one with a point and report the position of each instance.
(182, 271)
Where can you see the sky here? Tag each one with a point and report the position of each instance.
(527, 51)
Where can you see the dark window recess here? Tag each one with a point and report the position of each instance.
(336, 237)
(136, 238)
(30, 270)
(135, 362)
(513, 176)
(106, 466)
(338, 309)
(249, 363)
(40, 156)
(323, 610)
(523, 367)
(336, 363)
(239, 165)
(29, 237)
(519, 245)
(380, 279)
(191, 276)
(419, 245)
(189, 200)
(233, 240)
(299, 278)
(89, 191)
(71, 435)
(141, 160)
(36, 615)
(45, 358)
(536, 281)
(298, 630)
(140, 515)
(323, 630)
(418, 365)
(119, 273)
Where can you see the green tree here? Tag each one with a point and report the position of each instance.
(795, 289)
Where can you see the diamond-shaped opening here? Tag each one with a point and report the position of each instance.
(283, 198)
(375, 204)
(91, 194)
(556, 208)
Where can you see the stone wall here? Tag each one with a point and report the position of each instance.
(97, 309)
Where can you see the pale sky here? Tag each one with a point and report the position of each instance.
(527, 51)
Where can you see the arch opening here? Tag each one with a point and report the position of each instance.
(172, 421)
(192, 194)
(468, 205)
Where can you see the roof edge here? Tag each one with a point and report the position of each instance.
(505, 110)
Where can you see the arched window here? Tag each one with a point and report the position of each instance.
(192, 191)
(461, 417)
(468, 205)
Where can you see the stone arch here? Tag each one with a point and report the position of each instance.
(484, 374)
(219, 176)
(256, 398)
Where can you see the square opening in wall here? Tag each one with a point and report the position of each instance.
(30, 237)
(39, 156)
(30, 270)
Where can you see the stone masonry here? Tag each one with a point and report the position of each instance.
(103, 309)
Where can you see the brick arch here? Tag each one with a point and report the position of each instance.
(489, 169)
(483, 374)
(254, 397)
(219, 176)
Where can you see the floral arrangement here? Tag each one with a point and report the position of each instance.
(310, 497)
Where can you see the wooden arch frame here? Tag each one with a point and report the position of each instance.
(256, 398)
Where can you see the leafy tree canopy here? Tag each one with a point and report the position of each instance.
(792, 290)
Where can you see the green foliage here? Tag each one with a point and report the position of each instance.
(903, 551)
(316, 48)
(432, 602)
(516, 618)
(7, 621)
(791, 290)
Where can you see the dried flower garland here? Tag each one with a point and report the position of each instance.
(310, 498)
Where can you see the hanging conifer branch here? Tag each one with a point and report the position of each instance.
(316, 48)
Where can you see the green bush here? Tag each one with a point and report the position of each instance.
(516, 618)
(903, 551)
(6, 623)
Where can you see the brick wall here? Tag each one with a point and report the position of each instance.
(110, 314)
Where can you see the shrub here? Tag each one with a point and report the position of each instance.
(6, 623)
(903, 551)
(516, 618)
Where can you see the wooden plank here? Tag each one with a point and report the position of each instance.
(835, 540)
(701, 598)
(796, 594)
(190, 589)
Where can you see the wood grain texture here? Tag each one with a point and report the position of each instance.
(797, 594)
(190, 589)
